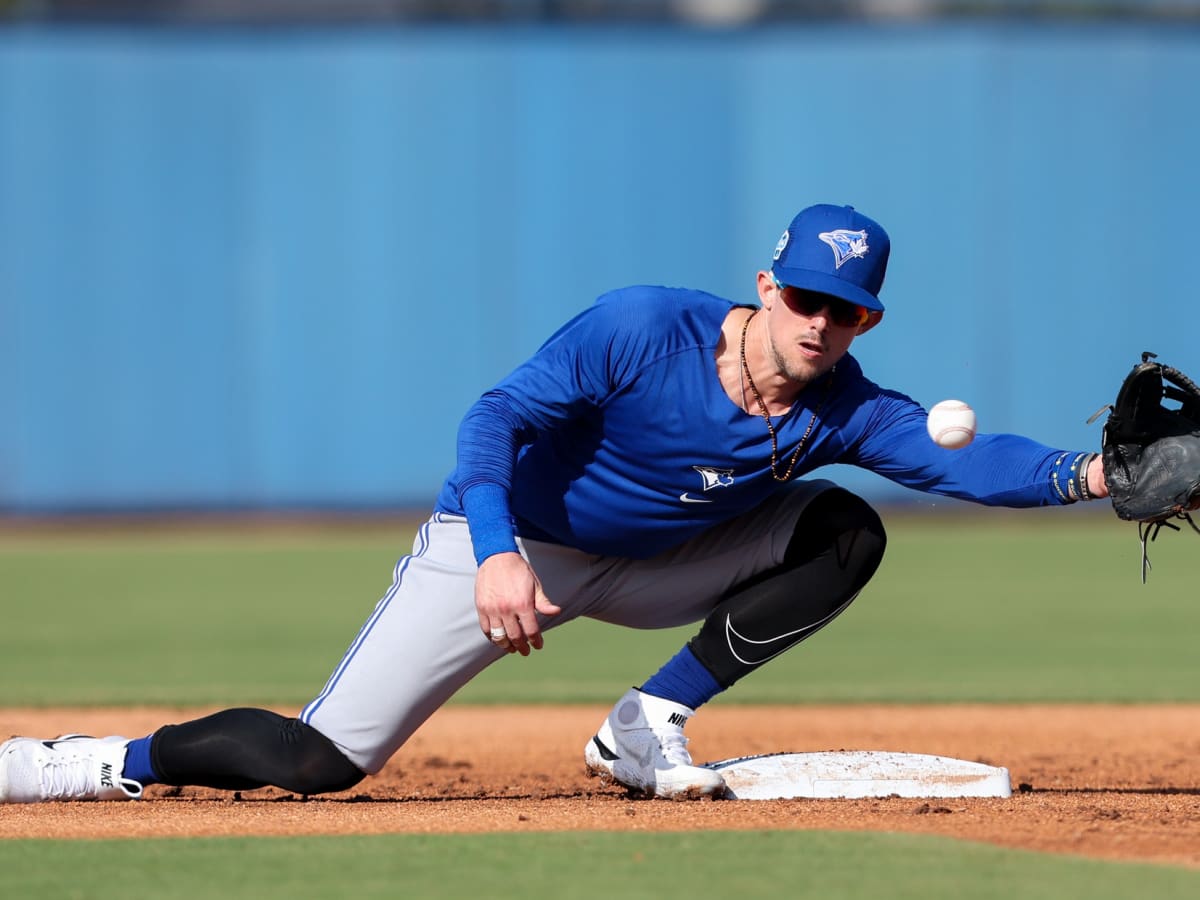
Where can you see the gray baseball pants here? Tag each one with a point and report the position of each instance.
(422, 642)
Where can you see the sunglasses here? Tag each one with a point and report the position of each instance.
(809, 303)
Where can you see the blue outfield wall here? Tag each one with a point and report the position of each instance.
(272, 268)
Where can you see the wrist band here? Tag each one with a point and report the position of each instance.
(1054, 479)
(1073, 478)
(489, 520)
(1079, 477)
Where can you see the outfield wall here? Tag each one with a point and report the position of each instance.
(272, 267)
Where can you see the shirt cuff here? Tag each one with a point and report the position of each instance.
(490, 520)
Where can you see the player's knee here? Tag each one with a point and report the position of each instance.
(844, 523)
(317, 766)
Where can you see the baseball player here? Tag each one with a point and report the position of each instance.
(645, 467)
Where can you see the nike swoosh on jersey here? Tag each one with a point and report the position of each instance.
(686, 498)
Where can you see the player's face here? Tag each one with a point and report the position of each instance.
(808, 333)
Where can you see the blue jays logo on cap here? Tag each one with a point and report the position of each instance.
(853, 271)
(846, 244)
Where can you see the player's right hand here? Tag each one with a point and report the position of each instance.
(508, 600)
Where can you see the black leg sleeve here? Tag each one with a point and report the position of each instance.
(242, 749)
(837, 546)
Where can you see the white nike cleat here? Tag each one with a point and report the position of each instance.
(641, 745)
(72, 767)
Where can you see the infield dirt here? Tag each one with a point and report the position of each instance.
(1118, 782)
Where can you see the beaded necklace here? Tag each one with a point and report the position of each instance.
(767, 417)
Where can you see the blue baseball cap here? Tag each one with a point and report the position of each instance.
(834, 250)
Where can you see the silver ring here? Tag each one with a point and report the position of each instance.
(498, 634)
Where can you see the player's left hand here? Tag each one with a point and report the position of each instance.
(508, 599)
(1151, 450)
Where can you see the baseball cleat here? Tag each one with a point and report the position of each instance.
(71, 767)
(641, 746)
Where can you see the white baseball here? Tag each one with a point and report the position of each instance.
(951, 424)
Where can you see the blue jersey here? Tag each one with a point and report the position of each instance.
(618, 438)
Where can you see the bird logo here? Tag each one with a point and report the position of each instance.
(846, 244)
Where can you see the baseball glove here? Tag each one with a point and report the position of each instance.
(1151, 451)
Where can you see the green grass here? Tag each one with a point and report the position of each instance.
(1032, 606)
(793, 864)
(135, 618)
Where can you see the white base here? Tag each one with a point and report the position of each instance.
(858, 773)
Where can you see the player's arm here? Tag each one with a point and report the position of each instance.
(571, 372)
(994, 470)
(508, 594)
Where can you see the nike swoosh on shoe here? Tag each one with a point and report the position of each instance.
(605, 754)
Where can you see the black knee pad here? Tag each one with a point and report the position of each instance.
(835, 549)
(316, 765)
(838, 515)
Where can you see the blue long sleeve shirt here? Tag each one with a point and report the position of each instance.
(617, 438)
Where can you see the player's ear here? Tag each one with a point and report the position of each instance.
(873, 319)
(766, 290)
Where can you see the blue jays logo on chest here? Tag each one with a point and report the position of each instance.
(710, 478)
